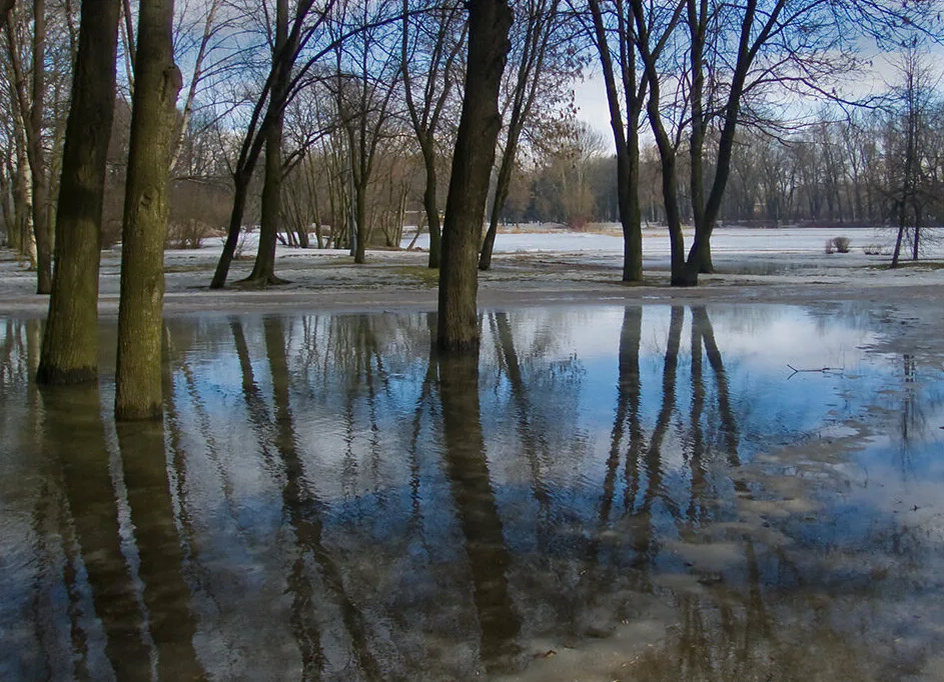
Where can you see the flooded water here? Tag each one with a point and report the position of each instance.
(607, 493)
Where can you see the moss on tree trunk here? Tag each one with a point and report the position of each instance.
(153, 119)
(70, 344)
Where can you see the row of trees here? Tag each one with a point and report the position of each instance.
(344, 81)
(69, 353)
(834, 169)
(368, 129)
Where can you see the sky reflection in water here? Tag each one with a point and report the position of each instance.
(325, 501)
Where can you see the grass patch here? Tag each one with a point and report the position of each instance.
(427, 276)
(195, 267)
(930, 265)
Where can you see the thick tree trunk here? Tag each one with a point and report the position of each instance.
(627, 192)
(263, 270)
(479, 124)
(157, 83)
(70, 344)
(626, 140)
(21, 205)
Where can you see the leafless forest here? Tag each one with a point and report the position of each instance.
(825, 136)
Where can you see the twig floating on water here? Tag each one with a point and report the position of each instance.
(821, 370)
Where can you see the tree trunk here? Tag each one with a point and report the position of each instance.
(70, 344)
(157, 83)
(240, 191)
(431, 206)
(360, 221)
(263, 271)
(37, 154)
(897, 252)
(489, 23)
(501, 195)
(539, 24)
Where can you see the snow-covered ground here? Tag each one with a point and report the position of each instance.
(530, 264)
(725, 240)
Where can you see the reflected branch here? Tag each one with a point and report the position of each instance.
(304, 512)
(529, 437)
(728, 421)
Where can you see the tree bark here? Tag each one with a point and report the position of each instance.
(153, 124)
(70, 344)
(479, 124)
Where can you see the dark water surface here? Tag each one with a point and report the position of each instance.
(637, 494)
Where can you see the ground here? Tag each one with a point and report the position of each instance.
(755, 265)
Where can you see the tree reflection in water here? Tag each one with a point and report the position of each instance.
(138, 592)
(329, 501)
(466, 468)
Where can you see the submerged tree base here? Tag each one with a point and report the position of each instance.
(128, 411)
(55, 376)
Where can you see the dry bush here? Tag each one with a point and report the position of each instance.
(838, 245)
(188, 234)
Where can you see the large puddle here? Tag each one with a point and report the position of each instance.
(609, 493)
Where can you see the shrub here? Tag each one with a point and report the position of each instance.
(838, 245)
(187, 234)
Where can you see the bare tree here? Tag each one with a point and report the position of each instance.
(30, 102)
(910, 190)
(531, 50)
(367, 77)
(434, 48)
(263, 271)
(307, 22)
